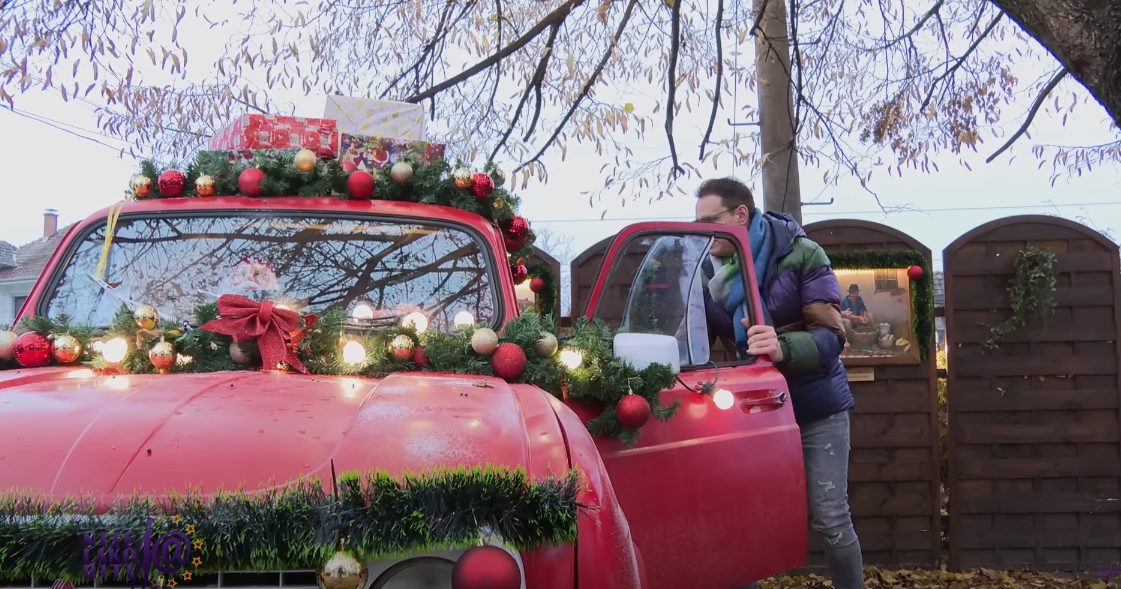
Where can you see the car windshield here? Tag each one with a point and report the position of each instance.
(384, 269)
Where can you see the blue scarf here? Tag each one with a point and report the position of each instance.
(727, 288)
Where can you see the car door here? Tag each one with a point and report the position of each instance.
(715, 496)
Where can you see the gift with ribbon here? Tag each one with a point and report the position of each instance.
(244, 319)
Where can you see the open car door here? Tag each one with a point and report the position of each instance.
(715, 496)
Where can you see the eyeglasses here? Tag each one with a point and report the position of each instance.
(713, 217)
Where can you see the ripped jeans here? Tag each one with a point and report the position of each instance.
(825, 447)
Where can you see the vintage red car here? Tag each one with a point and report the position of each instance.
(712, 498)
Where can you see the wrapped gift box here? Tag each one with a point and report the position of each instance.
(258, 131)
(370, 153)
(376, 118)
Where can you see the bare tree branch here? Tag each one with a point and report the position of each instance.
(961, 60)
(534, 84)
(671, 83)
(719, 75)
(914, 29)
(1055, 79)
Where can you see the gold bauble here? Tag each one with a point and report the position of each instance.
(65, 348)
(401, 172)
(162, 355)
(402, 347)
(141, 186)
(342, 571)
(484, 341)
(146, 317)
(304, 160)
(546, 345)
(204, 185)
(462, 178)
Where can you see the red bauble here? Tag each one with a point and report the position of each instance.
(915, 273)
(360, 185)
(171, 183)
(513, 244)
(420, 357)
(325, 152)
(508, 361)
(482, 185)
(518, 228)
(537, 284)
(486, 567)
(33, 350)
(632, 411)
(249, 181)
(519, 272)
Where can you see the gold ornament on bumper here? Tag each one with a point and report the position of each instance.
(462, 178)
(65, 348)
(546, 345)
(204, 185)
(141, 186)
(484, 341)
(304, 160)
(341, 571)
(402, 347)
(162, 356)
(146, 317)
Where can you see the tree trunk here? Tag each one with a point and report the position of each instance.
(781, 190)
(1084, 35)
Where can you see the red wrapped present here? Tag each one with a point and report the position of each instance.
(258, 131)
(361, 152)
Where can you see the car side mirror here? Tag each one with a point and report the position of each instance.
(643, 349)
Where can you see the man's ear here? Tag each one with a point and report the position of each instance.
(743, 216)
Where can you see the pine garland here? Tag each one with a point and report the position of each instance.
(1031, 290)
(300, 525)
(922, 291)
(547, 300)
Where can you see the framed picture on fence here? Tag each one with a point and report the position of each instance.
(878, 316)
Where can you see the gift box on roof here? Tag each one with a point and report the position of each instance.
(369, 153)
(260, 131)
(376, 118)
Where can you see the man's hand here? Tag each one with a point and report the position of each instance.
(763, 341)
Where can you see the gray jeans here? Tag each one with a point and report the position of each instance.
(825, 446)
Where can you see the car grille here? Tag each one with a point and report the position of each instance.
(288, 579)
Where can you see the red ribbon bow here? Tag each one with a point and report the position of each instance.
(242, 318)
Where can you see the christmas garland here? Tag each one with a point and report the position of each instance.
(371, 516)
(922, 289)
(527, 351)
(1031, 290)
(543, 282)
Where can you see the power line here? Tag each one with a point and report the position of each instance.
(868, 212)
(63, 127)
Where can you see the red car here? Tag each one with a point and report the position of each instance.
(712, 498)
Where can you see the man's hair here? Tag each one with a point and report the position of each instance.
(732, 193)
(854, 288)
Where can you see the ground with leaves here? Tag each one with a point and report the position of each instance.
(930, 579)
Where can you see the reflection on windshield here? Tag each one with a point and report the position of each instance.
(307, 264)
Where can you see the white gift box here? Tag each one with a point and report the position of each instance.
(376, 118)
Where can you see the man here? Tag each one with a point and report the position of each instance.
(853, 309)
(800, 295)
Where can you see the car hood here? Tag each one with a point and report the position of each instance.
(65, 432)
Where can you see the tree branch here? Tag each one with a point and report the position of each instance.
(1058, 77)
(671, 82)
(534, 83)
(915, 29)
(961, 60)
(556, 16)
(719, 76)
(587, 86)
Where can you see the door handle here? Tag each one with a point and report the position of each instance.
(777, 398)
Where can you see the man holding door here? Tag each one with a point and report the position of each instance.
(801, 296)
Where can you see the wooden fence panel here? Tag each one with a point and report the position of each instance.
(1035, 431)
(894, 483)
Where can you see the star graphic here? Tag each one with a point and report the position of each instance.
(196, 560)
(197, 544)
(186, 575)
(171, 583)
(175, 519)
(190, 528)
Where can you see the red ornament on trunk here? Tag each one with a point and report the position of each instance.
(171, 183)
(508, 361)
(520, 273)
(420, 357)
(33, 350)
(486, 567)
(537, 284)
(249, 181)
(915, 272)
(482, 185)
(632, 411)
(360, 185)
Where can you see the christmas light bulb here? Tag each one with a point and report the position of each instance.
(571, 358)
(416, 320)
(114, 350)
(354, 353)
(464, 319)
(724, 399)
(362, 311)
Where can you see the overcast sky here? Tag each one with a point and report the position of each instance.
(58, 159)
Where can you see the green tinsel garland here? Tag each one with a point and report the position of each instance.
(922, 290)
(301, 525)
(547, 301)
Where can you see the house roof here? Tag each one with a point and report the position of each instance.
(29, 259)
(939, 289)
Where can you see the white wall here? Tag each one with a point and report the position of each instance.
(9, 290)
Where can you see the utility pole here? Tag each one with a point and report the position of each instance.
(781, 190)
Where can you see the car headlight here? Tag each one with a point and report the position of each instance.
(421, 572)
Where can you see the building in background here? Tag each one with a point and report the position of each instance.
(21, 266)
